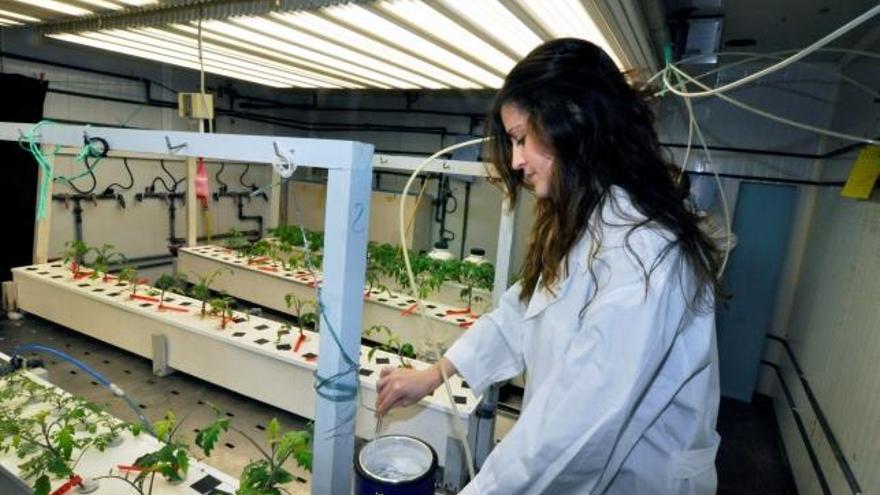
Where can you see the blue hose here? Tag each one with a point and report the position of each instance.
(113, 388)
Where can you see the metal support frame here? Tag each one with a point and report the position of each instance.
(345, 243)
(349, 184)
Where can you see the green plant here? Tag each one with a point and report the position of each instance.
(263, 476)
(222, 307)
(74, 254)
(129, 275)
(475, 276)
(201, 290)
(166, 283)
(171, 460)
(305, 310)
(236, 240)
(52, 440)
(105, 256)
(393, 344)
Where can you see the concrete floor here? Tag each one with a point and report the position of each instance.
(750, 458)
(185, 395)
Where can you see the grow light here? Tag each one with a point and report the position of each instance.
(385, 44)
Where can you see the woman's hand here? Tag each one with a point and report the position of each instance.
(400, 387)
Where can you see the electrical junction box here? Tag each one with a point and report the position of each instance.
(195, 105)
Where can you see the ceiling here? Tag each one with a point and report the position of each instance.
(21, 12)
(354, 44)
(775, 25)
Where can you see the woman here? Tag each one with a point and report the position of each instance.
(613, 316)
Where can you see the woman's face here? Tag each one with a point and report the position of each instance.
(528, 151)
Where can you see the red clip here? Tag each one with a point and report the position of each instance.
(74, 481)
(408, 311)
(299, 341)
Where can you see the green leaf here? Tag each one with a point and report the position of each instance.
(58, 467)
(208, 436)
(272, 430)
(65, 441)
(42, 485)
(164, 427)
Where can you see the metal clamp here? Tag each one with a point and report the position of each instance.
(172, 148)
(283, 164)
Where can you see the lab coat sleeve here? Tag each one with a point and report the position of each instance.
(572, 427)
(491, 350)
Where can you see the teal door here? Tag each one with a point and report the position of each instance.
(762, 221)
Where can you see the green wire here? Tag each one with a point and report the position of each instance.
(33, 146)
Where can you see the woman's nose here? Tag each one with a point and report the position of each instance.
(517, 160)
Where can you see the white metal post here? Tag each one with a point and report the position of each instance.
(346, 225)
(273, 218)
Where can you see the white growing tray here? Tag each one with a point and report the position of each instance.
(242, 358)
(95, 463)
(266, 284)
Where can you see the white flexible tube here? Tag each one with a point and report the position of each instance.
(469, 458)
(783, 120)
(788, 61)
(727, 221)
(751, 56)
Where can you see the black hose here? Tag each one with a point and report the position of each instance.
(91, 173)
(173, 179)
(241, 178)
(130, 178)
(217, 176)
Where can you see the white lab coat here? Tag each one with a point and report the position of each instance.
(621, 401)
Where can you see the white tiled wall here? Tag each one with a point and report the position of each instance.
(835, 315)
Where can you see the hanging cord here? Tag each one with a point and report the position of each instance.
(174, 182)
(330, 388)
(33, 146)
(217, 176)
(70, 182)
(247, 168)
(426, 322)
(93, 148)
(130, 178)
(788, 61)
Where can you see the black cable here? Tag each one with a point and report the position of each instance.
(241, 178)
(130, 178)
(173, 179)
(217, 176)
(91, 173)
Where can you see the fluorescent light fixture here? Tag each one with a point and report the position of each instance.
(229, 56)
(567, 18)
(8, 22)
(385, 44)
(57, 7)
(383, 72)
(498, 22)
(125, 50)
(175, 53)
(364, 19)
(431, 21)
(208, 56)
(15, 15)
(346, 37)
(311, 68)
(103, 4)
(374, 78)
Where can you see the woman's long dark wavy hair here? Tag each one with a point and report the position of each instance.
(602, 135)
